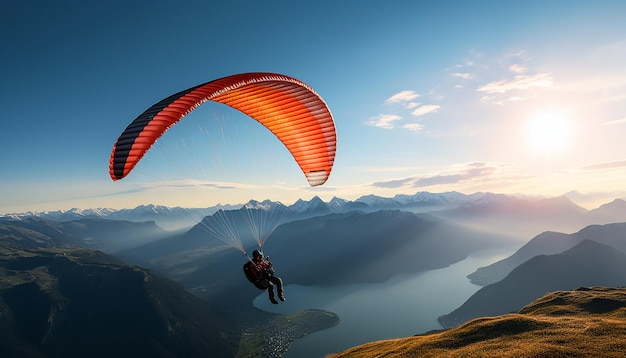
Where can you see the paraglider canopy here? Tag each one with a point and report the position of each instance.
(289, 108)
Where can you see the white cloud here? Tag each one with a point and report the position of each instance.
(517, 98)
(476, 171)
(393, 184)
(540, 80)
(193, 183)
(384, 120)
(415, 127)
(424, 109)
(403, 96)
(517, 68)
(465, 76)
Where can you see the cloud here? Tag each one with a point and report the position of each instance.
(467, 172)
(517, 68)
(402, 96)
(191, 183)
(384, 120)
(405, 99)
(521, 82)
(465, 76)
(415, 127)
(605, 165)
(438, 180)
(426, 108)
(474, 171)
(517, 98)
(392, 184)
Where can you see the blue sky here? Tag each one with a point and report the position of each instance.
(501, 96)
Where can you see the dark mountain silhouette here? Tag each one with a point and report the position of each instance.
(587, 264)
(332, 249)
(81, 303)
(369, 247)
(549, 243)
(98, 234)
(213, 233)
(546, 243)
(610, 234)
(586, 322)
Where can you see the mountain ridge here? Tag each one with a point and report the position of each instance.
(78, 303)
(527, 216)
(549, 243)
(588, 263)
(97, 233)
(587, 321)
(420, 199)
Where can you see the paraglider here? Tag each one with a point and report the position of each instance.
(260, 272)
(289, 108)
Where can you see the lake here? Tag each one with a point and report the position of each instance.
(403, 306)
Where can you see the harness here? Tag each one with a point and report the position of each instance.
(257, 274)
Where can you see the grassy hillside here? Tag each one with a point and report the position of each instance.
(578, 323)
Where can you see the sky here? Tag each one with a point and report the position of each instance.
(512, 97)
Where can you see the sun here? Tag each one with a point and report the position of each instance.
(548, 132)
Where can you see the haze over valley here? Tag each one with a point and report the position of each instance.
(338, 250)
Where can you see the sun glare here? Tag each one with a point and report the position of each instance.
(548, 132)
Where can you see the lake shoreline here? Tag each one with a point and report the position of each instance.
(403, 306)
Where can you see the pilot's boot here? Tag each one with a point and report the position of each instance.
(279, 288)
(270, 292)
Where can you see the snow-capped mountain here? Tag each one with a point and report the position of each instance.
(449, 204)
(64, 215)
(263, 205)
(336, 204)
(421, 201)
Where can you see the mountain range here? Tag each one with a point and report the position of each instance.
(82, 303)
(587, 263)
(420, 202)
(333, 249)
(72, 302)
(317, 243)
(98, 234)
(549, 243)
(516, 215)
